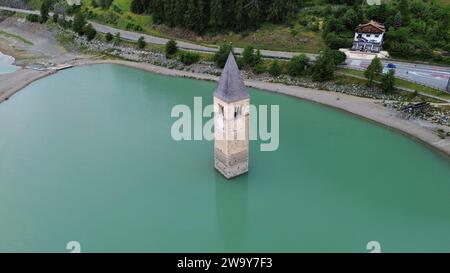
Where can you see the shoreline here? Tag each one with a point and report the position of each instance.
(361, 107)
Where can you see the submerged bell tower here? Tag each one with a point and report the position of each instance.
(231, 122)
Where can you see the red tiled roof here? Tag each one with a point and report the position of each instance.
(374, 24)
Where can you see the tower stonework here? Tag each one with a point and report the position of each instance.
(231, 122)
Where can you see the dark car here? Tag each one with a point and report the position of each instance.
(391, 66)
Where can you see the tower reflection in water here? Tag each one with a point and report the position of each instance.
(232, 210)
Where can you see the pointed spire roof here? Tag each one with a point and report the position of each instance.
(231, 87)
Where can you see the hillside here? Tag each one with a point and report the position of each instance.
(294, 36)
(416, 29)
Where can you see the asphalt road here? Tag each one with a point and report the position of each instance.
(428, 75)
(134, 36)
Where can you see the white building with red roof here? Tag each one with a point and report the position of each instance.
(369, 37)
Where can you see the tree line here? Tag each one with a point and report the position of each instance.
(217, 15)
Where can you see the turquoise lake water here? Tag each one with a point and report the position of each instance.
(86, 155)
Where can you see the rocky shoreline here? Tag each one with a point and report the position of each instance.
(434, 114)
(355, 99)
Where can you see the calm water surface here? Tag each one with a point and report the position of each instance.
(86, 155)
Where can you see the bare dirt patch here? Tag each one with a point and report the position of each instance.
(31, 42)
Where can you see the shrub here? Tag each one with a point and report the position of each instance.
(275, 69)
(220, 58)
(34, 18)
(324, 67)
(141, 42)
(117, 38)
(441, 133)
(108, 37)
(297, 65)
(251, 57)
(294, 32)
(73, 9)
(259, 68)
(78, 23)
(171, 47)
(240, 63)
(115, 8)
(413, 95)
(248, 55)
(313, 26)
(335, 42)
(63, 23)
(68, 23)
(189, 58)
(338, 56)
(257, 58)
(89, 31)
(45, 6)
(446, 60)
(105, 4)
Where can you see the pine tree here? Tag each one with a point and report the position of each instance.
(218, 15)
(157, 8)
(191, 17)
(203, 15)
(137, 7)
(228, 9)
(171, 47)
(141, 42)
(275, 12)
(179, 12)
(45, 6)
(373, 71)
(398, 20)
(290, 10)
(254, 13)
(240, 15)
(89, 31)
(78, 23)
(169, 12)
(388, 81)
(248, 56)
(403, 7)
(216, 19)
(257, 58)
(324, 67)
